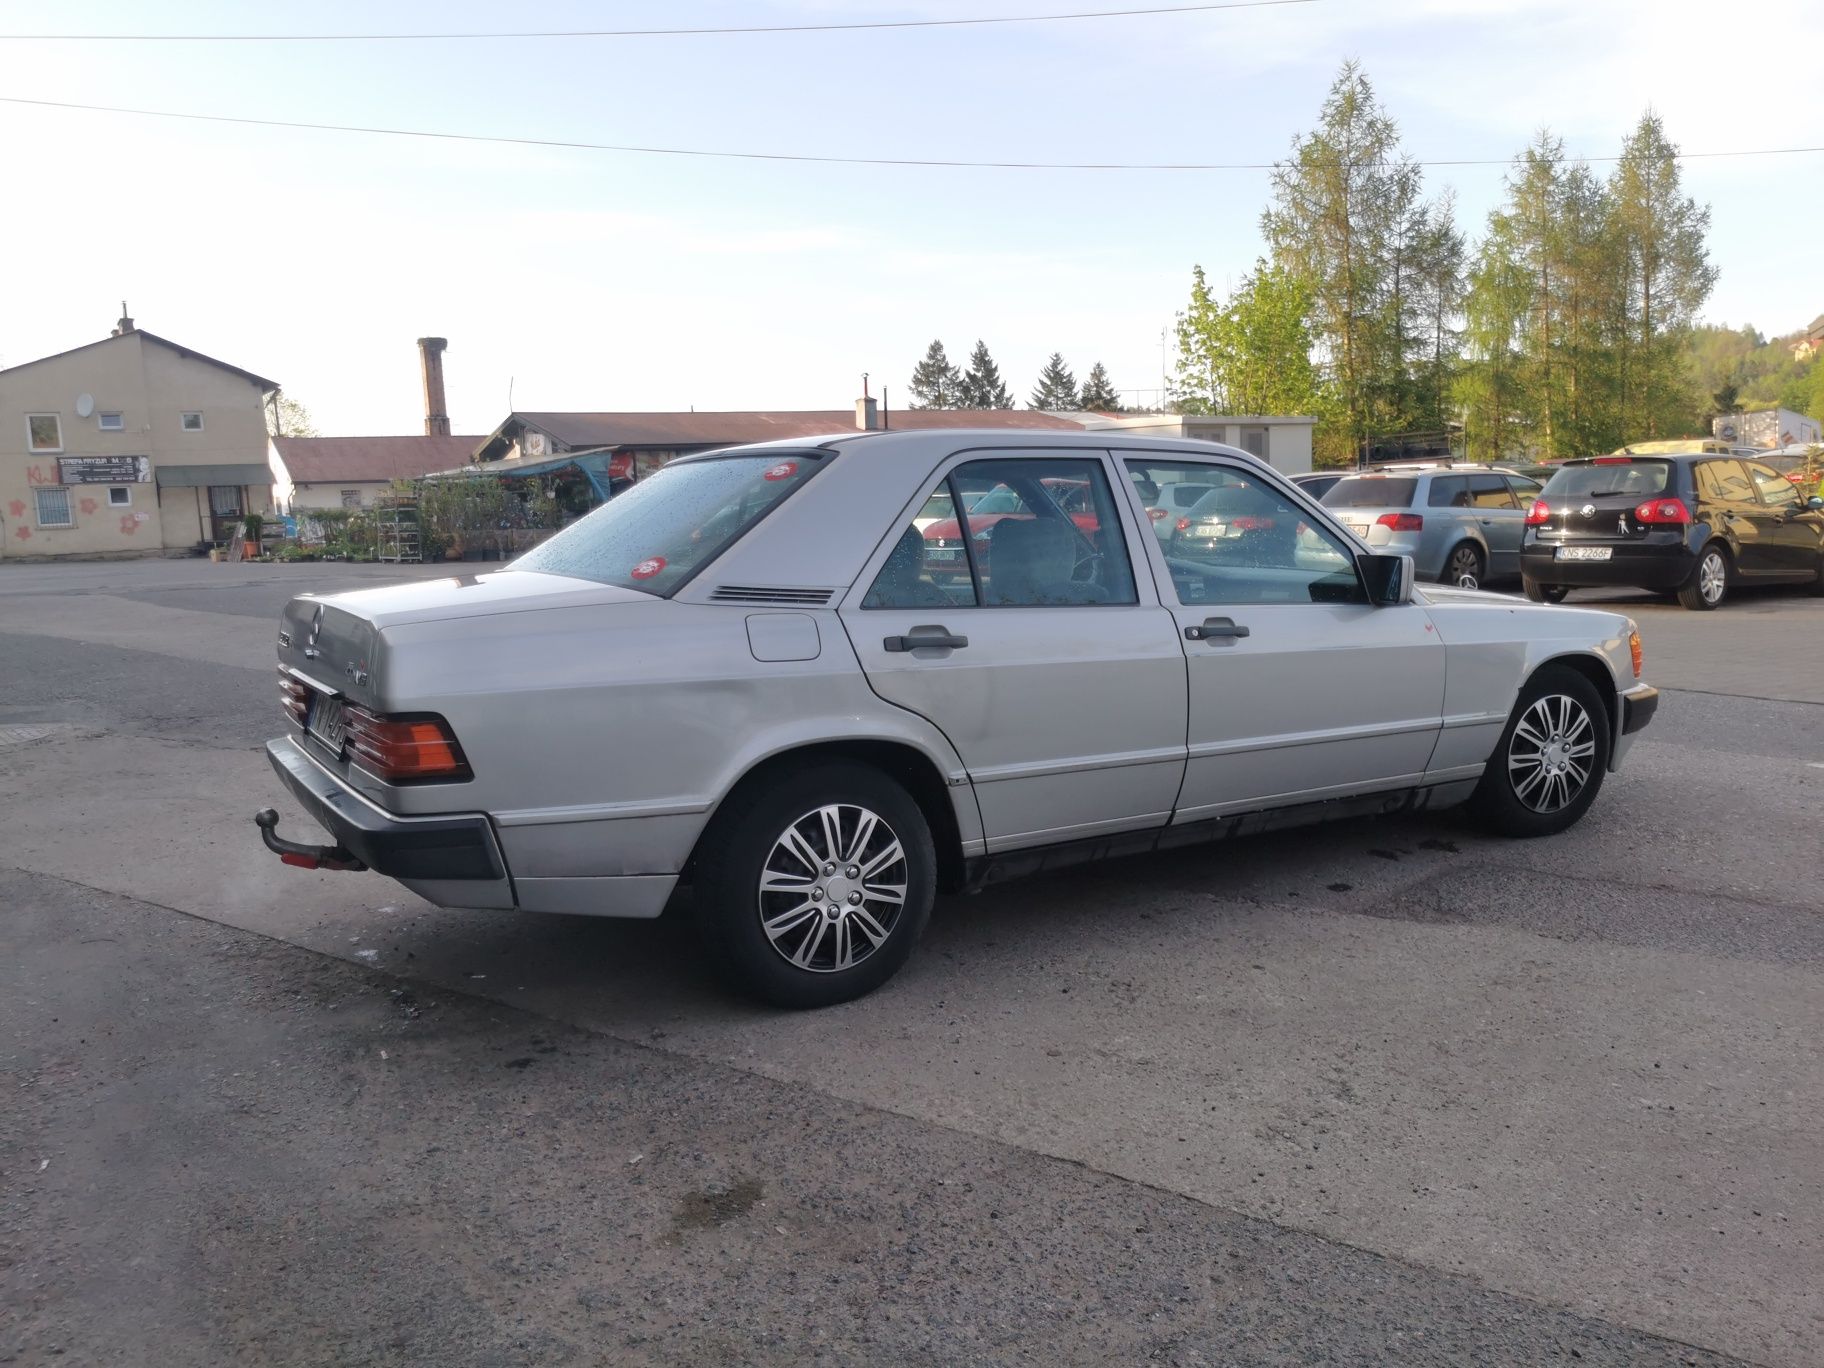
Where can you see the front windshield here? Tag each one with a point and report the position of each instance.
(672, 523)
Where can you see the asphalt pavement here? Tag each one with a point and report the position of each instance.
(1378, 1092)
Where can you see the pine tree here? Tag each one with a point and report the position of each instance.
(935, 383)
(982, 387)
(1099, 394)
(1057, 387)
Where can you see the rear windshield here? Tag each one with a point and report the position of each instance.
(1370, 491)
(1610, 476)
(672, 523)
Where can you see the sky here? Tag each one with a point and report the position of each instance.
(591, 280)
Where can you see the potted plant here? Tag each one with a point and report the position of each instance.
(251, 525)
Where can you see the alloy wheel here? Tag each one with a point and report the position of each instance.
(832, 888)
(1552, 753)
(1713, 577)
(1465, 570)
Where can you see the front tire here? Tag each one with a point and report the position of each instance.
(1710, 581)
(1545, 593)
(1550, 761)
(1463, 567)
(814, 887)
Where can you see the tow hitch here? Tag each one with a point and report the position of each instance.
(303, 856)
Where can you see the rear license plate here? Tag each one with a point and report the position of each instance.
(1360, 529)
(1583, 552)
(943, 555)
(327, 723)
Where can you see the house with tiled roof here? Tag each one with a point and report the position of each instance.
(352, 472)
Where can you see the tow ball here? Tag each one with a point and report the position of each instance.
(303, 856)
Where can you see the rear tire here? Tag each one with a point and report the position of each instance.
(841, 831)
(1710, 582)
(1817, 584)
(1545, 593)
(1463, 567)
(1549, 764)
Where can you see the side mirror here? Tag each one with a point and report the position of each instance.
(1815, 503)
(1388, 579)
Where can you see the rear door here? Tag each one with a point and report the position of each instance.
(1049, 664)
(1299, 688)
(1734, 508)
(1501, 521)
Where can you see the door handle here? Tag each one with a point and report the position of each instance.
(922, 638)
(1214, 629)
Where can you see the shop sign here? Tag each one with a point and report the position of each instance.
(108, 470)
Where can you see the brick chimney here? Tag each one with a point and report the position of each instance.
(436, 409)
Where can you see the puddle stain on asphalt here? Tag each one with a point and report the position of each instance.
(710, 1208)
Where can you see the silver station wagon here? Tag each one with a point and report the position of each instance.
(752, 675)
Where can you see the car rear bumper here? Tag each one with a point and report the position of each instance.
(458, 849)
(1628, 566)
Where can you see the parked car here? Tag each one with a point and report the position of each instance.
(1694, 524)
(1461, 524)
(945, 553)
(797, 720)
(1316, 482)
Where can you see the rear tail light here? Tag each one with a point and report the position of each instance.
(1662, 512)
(1613, 460)
(1539, 514)
(1158, 514)
(295, 697)
(1635, 651)
(1183, 524)
(407, 747)
(1402, 522)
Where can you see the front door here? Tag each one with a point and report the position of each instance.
(225, 513)
(1006, 611)
(1788, 530)
(1299, 688)
(1502, 522)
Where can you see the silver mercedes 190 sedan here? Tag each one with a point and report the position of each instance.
(757, 673)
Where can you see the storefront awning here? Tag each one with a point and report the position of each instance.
(198, 476)
(597, 466)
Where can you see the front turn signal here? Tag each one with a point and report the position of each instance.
(1635, 651)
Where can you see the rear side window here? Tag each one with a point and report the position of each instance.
(1606, 478)
(1774, 488)
(1371, 491)
(1448, 491)
(674, 522)
(1489, 491)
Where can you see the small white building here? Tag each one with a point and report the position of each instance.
(351, 472)
(1282, 441)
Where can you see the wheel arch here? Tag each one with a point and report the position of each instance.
(900, 761)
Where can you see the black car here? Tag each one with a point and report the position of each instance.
(1696, 524)
(1316, 482)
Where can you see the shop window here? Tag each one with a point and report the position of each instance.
(53, 507)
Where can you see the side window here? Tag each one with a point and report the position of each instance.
(1448, 491)
(1525, 490)
(1041, 532)
(1244, 541)
(928, 566)
(1732, 482)
(1489, 491)
(1774, 488)
(1709, 482)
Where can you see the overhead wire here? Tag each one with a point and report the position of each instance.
(808, 157)
(726, 30)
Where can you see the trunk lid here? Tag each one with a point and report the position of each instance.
(1595, 501)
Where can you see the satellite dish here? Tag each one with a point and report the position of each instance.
(85, 405)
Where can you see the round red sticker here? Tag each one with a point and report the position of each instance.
(647, 568)
(783, 471)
